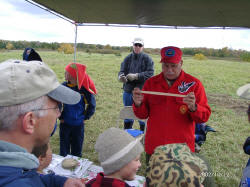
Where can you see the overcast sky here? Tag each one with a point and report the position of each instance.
(20, 20)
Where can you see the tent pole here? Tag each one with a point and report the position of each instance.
(75, 43)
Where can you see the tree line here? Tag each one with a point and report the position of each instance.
(117, 50)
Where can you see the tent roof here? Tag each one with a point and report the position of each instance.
(198, 13)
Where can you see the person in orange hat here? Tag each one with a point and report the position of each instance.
(171, 119)
(73, 116)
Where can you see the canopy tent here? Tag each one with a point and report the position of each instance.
(198, 13)
(151, 13)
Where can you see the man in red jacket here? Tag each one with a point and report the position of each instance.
(171, 119)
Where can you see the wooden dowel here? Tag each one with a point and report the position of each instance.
(162, 93)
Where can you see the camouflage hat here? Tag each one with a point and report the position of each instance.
(173, 165)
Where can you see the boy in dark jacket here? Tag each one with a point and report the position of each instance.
(73, 116)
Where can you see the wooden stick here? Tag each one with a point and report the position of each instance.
(162, 93)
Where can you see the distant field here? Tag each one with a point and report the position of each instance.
(221, 78)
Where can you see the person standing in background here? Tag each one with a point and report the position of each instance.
(135, 69)
(73, 116)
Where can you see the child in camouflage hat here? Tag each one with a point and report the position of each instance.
(173, 165)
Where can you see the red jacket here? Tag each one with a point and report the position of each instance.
(101, 181)
(169, 120)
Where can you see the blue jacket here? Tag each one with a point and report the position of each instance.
(76, 114)
(18, 169)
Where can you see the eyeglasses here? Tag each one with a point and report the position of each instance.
(138, 45)
(58, 107)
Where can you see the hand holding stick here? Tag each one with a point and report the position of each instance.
(137, 97)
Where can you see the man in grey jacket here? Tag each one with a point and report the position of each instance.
(135, 69)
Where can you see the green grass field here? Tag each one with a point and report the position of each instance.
(221, 78)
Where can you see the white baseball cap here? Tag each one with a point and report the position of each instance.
(138, 41)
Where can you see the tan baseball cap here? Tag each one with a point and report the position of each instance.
(23, 81)
(244, 91)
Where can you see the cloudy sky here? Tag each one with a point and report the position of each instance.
(20, 20)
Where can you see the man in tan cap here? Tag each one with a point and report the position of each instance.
(171, 119)
(29, 107)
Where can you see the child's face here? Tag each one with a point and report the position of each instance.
(45, 161)
(69, 78)
(128, 172)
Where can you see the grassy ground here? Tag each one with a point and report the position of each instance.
(221, 78)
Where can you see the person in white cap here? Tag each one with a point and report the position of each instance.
(244, 92)
(29, 107)
(135, 69)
